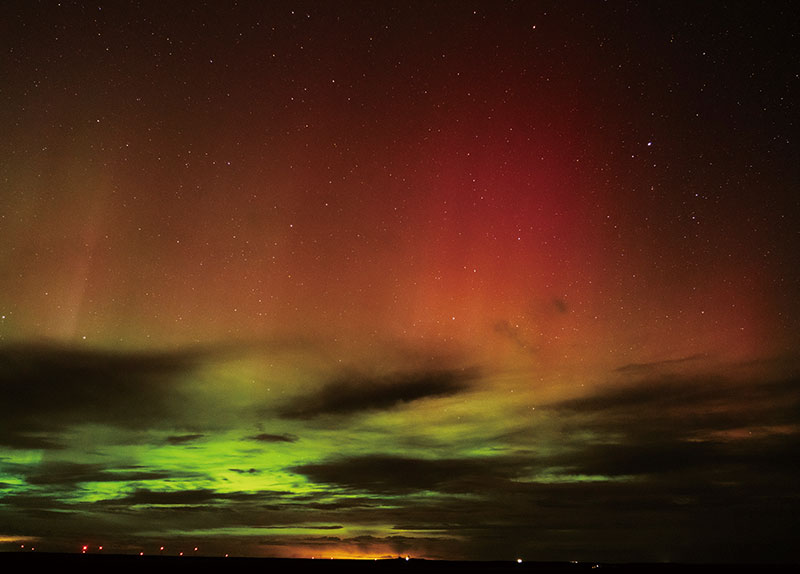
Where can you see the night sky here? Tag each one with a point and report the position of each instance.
(463, 280)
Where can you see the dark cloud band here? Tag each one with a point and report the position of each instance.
(358, 393)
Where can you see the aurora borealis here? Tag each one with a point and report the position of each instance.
(461, 280)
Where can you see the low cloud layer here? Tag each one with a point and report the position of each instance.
(655, 458)
(396, 475)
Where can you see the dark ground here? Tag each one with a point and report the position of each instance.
(19, 562)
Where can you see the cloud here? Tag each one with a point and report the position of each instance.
(654, 394)
(672, 428)
(199, 496)
(304, 526)
(357, 393)
(659, 366)
(50, 387)
(178, 497)
(183, 439)
(71, 473)
(513, 333)
(396, 474)
(689, 405)
(20, 439)
(266, 437)
(677, 460)
(560, 305)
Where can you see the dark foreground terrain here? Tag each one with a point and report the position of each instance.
(19, 562)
